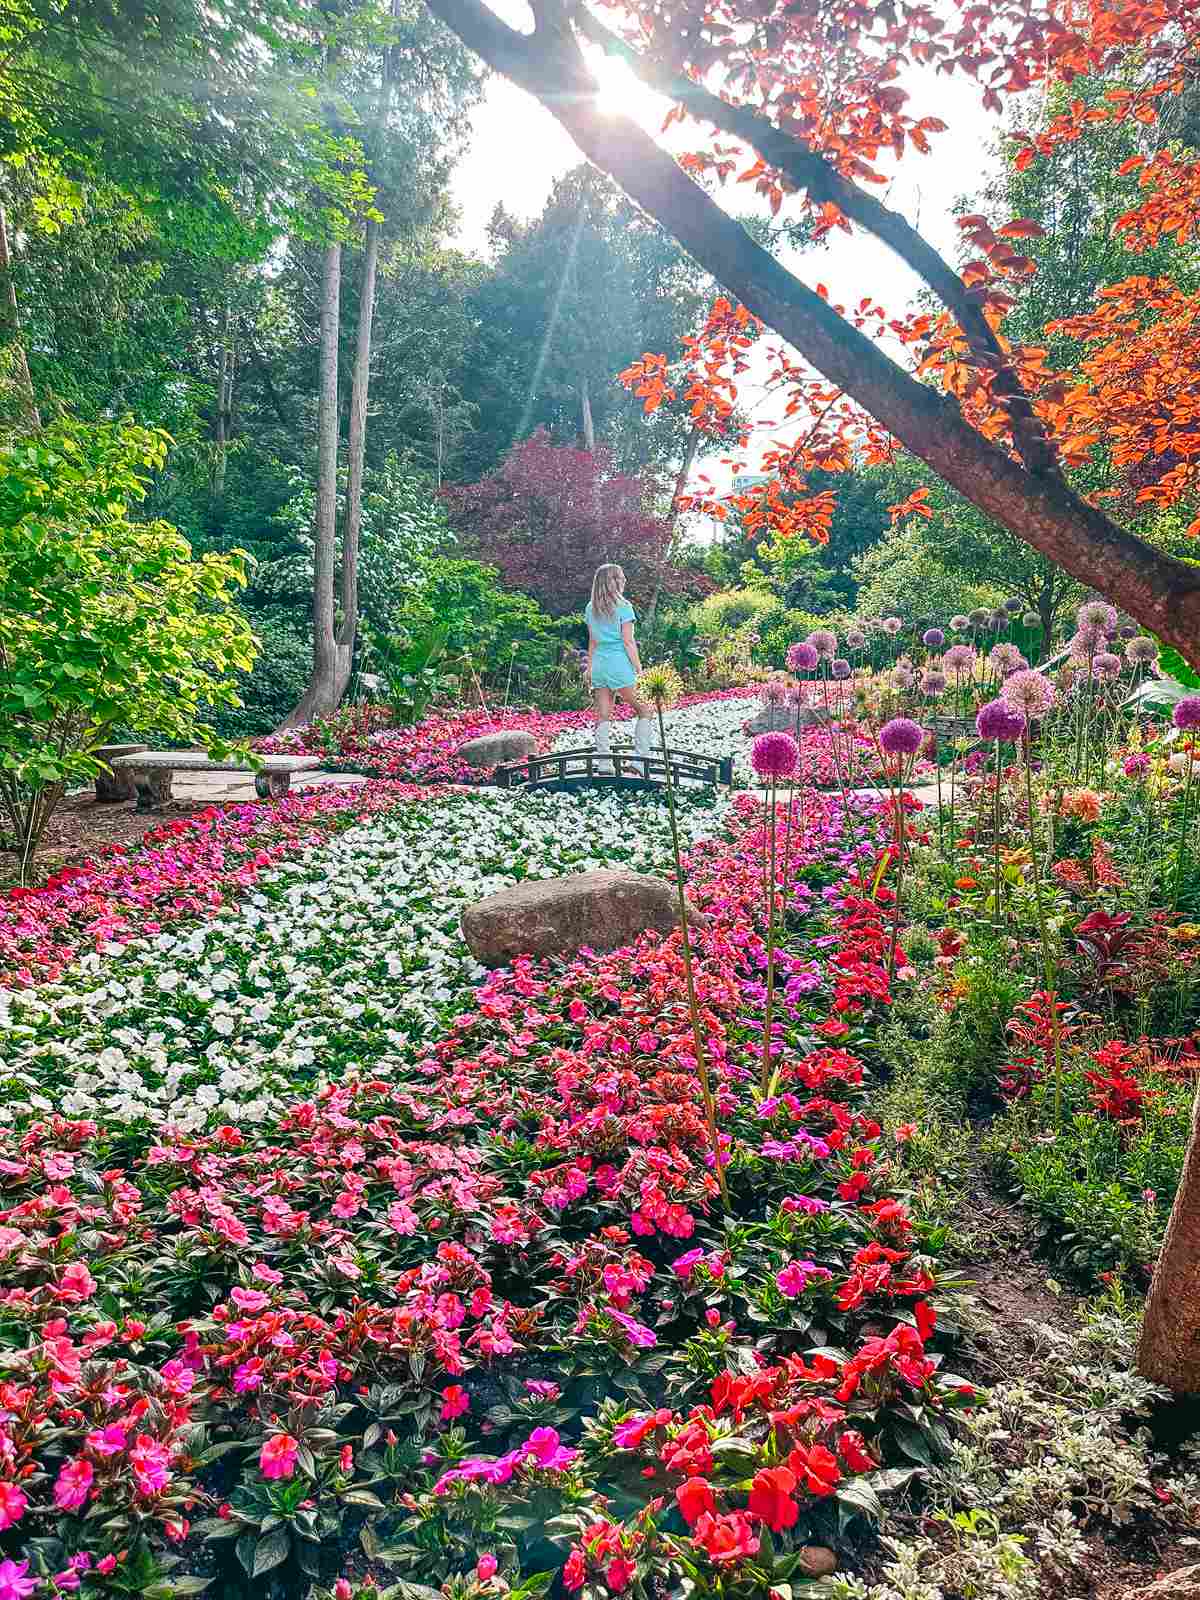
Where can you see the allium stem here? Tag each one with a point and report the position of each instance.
(1048, 967)
(1183, 827)
(996, 837)
(765, 1073)
(710, 1109)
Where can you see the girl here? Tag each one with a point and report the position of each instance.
(613, 664)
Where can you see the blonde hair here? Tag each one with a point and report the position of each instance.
(608, 586)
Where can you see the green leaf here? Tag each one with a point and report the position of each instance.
(271, 1549)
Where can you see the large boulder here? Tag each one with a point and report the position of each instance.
(781, 719)
(558, 916)
(1183, 1584)
(491, 749)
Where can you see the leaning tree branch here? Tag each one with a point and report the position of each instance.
(1160, 591)
(809, 170)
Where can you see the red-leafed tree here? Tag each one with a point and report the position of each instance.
(800, 98)
(551, 514)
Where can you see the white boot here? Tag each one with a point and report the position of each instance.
(642, 730)
(604, 746)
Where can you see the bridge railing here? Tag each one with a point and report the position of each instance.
(621, 769)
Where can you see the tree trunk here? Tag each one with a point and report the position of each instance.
(588, 433)
(1162, 592)
(224, 410)
(11, 315)
(1169, 1347)
(321, 695)
(357, 446)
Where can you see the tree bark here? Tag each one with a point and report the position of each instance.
(320, 697)
(1169, 1347)
(357, 447)
(1033, 502)
(11, 315)
(224, 410)
(681, 478)
(588, 433)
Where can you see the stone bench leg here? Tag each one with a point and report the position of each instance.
(114, 786)
(272, 785)
(153, 788)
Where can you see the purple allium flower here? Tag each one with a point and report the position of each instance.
(1032, 621)
(1127, 630)
(1107, 665)
(979, 617)
(1030, 692)
(998, 619)
(856, 639)
(1096, 614)
(958, 658)
(1137, 765)
(999, 720)
(774, 755)
(824, 643)
(839, 668)
(1086, 643)
(1006, 658)
(959, 623)
(1187, 712)
(774, 692)
(1141, 650)
(802, 657)
(903, 676)
(933, 683)
(1014, 603)
(901, 736)
(891, 626)
(934, 638)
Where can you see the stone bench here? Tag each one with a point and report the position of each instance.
(152, 772)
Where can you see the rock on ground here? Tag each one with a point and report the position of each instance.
(1183, 1584)
(490, 749)
(781, 719)
(557, 916)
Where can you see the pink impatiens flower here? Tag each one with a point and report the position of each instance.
(455, 1401)
(72, 1484)
(277, 1458)
(13, 1504)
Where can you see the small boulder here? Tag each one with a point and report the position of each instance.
(491, 749)
(816, 1560)
(780, 719)
(558, 916)
(1183, 1584)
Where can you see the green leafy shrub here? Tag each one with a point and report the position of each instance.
(275, 682)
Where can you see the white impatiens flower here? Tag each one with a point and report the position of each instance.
(348, 956)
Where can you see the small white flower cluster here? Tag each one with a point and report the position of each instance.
(344, 959)
(711, 728)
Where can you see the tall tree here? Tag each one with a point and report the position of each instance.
(810, 96)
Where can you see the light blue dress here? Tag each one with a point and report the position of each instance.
(611, 666)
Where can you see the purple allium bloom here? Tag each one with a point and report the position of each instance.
(1107, 665)
(958, 657)
(978, 618)
(1007, 658)
(903, 676)
(999, 720)
(934, 638)
(1137, 765)
(1141, 650)
(1187, 712)
(856, 639)
(959, 623)
(774, 755)
(998, 619)
(774, 692)
(933, 683)
(1127, 630)
(839, 668)
(1032, 620)
(901, 736)
(1014, 603)
(802, 657)
(1096, 614)
(891, 626)
(824, 643)
(1030, 691)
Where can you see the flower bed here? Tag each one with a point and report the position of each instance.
(469, 1299)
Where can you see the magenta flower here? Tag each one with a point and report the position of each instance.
(13, 1505)
(277, 1458)
(901, 737)
(72, 1484)
(824, 643)
(1186, 714)
(1136, 765)
(934, 638)
(1030, 692)
(455, 1401)
(775, 755)
(1000, 720)
(14, 1585)
(151, 1463)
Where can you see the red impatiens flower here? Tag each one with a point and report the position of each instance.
(815, 1468)
(455, 1400)
(770, 1498)
(695, 1498)
(852, 1448)
(726, 1539)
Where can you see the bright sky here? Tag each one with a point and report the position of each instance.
(519, 150)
